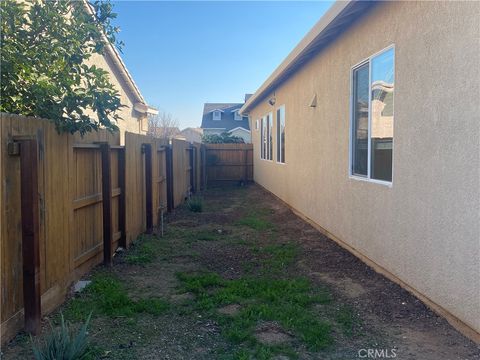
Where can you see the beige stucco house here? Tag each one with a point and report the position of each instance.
(134, 113)
(370, 130)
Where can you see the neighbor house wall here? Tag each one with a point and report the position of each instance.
(244, 134)
(424, 228)
(131, 120)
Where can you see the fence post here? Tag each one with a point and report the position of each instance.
(107, 203)
(30, 234)
(245, 152)
(192, 169)
(122, 221)
(147, 149)
(169, 163)
(204, 166)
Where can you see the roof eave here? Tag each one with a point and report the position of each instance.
(330, 25)
(114, 56)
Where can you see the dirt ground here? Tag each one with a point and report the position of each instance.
(243, 235)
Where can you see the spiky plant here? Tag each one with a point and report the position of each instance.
(63, 343)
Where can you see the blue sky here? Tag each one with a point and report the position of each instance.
(183, 54)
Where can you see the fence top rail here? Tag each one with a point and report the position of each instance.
(230, 149)
(86, 146)
(229, 146)
(97, 146)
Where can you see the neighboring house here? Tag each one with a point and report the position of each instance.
(369, 130)
(221, 117)
(191, 135)
(134, 113)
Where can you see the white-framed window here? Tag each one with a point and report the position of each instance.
(237, 116)
(266, 146)
(281, 134)
(371, 139)
(217, 115)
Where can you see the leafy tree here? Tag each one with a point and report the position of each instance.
(224, 138)
(44, 49)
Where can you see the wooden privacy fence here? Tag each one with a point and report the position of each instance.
(227, 163)
(67, 203)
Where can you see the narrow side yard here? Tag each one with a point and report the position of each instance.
(247, 279)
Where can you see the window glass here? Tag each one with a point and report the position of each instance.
(281, 135)
(270, 137)
(278, 135)
(360, 121)
(382, 87)
(262, 138)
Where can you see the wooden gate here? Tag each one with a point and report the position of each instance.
(228, 163)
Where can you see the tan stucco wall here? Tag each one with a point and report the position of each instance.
(131, 121)
(425, 228)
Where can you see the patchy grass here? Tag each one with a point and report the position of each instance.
(346, 319)
(277, 257)
(286, 301)
(206, 265)
(107, 296)
(256, 219)
(142, 252)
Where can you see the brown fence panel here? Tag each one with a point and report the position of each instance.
(228, 163)
(181, 171)
(53, 216)
(74, 218)
(197, 160)
(65, 175)
(160, 181)
(135, 185)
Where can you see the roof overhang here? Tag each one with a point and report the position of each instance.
(239, 128)
(341, 15)
(144, 109)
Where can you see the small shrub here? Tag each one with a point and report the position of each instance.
(64, 343)
(195, 204)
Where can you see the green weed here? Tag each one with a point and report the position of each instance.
(346, 318)
(195, 204)
(257, 220)
(278, 256)
(262, 299)
(107, 296)
(142, 252)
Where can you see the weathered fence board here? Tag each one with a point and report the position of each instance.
(228, 163)
(181, 170)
